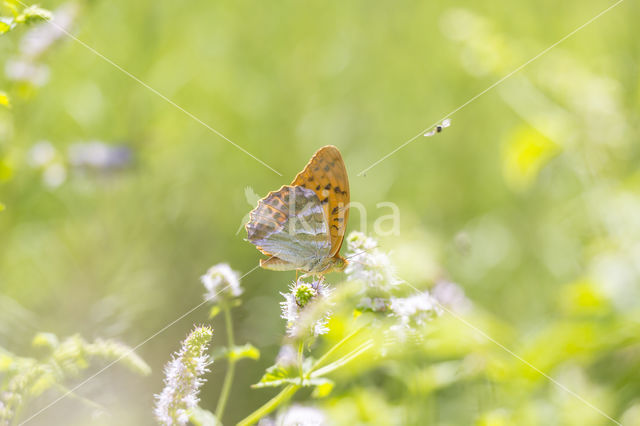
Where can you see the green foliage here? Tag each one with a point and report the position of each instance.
(528, 201)
(27, 16)
(4, 98)
(278, 375)
(245, 351)
(5, 26)
(58, 361)
(33, 14)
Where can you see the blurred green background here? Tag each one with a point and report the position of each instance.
(530, 201)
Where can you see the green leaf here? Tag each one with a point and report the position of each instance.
(6, 25)
(323, 389)
(278, 375)
(245, 351)
(4, 98)
(45, 340)
(237, 352)
(6, 361)
(44, 382)
(215, 310)
(2, 207)
(33, 14)
(6, 170)
(11, 6)
(525, 155)
(201, 417)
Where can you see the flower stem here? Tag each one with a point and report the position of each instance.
(228, 378)
(335, 347)
(272, 404)
(300, 360)
(344, 360)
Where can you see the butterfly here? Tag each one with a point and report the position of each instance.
(301, 226)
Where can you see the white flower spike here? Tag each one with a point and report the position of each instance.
(368, 264)
(183, 379)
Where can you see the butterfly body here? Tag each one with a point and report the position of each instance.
(301, 226)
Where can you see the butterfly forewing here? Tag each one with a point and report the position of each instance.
(326, 175)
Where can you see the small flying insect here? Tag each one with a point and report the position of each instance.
(439, 128)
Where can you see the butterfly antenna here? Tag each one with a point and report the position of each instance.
(360, 252)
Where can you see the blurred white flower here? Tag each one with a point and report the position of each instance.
(23, 70)
(6, 414)
(183, 379)
(300, 415)
(287, 356)
(297, 303)
(452, 296)
(41, 154)
(221, 282)
(368, 264)
(414, 310)
(38, 39)
(54, 175)
(374, 304)
(44, 156)
(98, 155)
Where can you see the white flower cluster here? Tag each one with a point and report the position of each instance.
(452, 296)
(374, 268)
(368, 264)
(97, 155)
(41, 37)
(297, 415)
(183, 379)
(221, 282)
(27, 67)
(415, 310)
(297, 304)
(300, 415)
(412, 312)
(5, 413)
(287, 356)
(44, 156)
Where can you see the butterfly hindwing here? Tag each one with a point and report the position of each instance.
(326, 175)
(290, 225)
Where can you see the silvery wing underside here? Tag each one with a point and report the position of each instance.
(290, 225)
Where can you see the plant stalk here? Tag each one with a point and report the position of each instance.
(228, 378)
(300, 360)
(334, 348)
(271, 405)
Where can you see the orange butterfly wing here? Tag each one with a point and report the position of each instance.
(327, 176)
